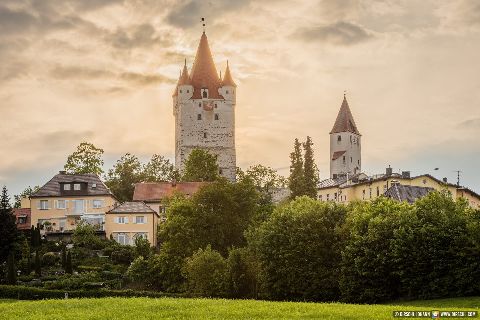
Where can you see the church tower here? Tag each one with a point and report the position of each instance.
(204, 110)
(345, 144)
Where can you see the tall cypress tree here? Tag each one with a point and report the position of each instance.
(8, 227)
(11, 270)
(296, 180)
(38, 264)
(310, 171)
(64, 258)
(68, 264)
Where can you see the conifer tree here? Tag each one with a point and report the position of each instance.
(8, 227)
(64, 258)
(11, 270)
(310, 171)
(68, 264)
(296, 180)
(38, 264)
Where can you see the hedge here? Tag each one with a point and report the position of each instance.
(32, 293)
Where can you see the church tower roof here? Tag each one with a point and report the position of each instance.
(204, 74)
(227, 78)
(345, 122)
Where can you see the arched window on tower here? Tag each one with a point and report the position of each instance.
(204, 93)
(339, 138)
(199, 116)
(216, 116)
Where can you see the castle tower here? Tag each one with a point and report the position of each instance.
(204, 110)
(345, 144)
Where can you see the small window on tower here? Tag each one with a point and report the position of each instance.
(358, 162)
(351, 160)
(205, 135)
(215, 105)
(226, 92)
(216, 116)
(339, 138)
(199, 104)
(343, 159)
(199, 116)
(205, 94)
(180, 91)
(188, 91)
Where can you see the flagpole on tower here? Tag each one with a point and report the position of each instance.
(203, 24)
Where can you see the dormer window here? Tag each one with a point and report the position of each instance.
(204, 93)
(76, 186)
(67, 187)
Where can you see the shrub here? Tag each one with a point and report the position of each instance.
(50, 259)
(142, 247)
(123, 255)
(73, 282)
(84, 236)
(205, 272)
(241, 274)
(166, 272)
(139, 270)
(299, 250)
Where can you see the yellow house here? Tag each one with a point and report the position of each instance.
(131, 220)
(344, 189)
(67, 199)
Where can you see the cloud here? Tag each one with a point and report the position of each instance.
(78, 72)
(187, 14)
(145, 79)
(15, 21)
(470, 124)
(138, 36)
(339, 33)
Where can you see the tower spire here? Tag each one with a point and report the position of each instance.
(344, 121)
(227, 78)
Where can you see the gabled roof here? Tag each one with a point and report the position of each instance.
(204, 74)
(337, 154)
(132, 207)
(344, 121)
(52, 187)
(402, 192)
(158, 191)
(227, 78)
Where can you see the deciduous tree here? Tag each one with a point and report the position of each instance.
(86, 159)
(201, 166)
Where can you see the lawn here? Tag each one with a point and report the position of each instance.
(177, 308)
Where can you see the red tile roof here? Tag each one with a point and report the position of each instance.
(227, 79)
(345, 122)
(337, 154)
(204, 74)
(20, 213)
(157, 191)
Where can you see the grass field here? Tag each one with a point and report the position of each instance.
(171, 308)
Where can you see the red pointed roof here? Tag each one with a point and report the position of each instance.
(183, 79)
(345, 122)
(204, 74)
(227, 78)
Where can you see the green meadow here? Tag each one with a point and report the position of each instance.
(177, 308)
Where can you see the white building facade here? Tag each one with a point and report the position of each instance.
(204, 111)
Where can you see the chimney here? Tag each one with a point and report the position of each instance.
(406, 174)
(445, 180)
(389, 171)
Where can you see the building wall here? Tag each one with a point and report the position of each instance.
(370, 191)
(131, 228)
(351, 143)
(67, 216)
(216, 136)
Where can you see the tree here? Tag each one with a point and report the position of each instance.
(122, 178)
(142, 247)
(36, 238)
(159, 169)
(241, 274)
(217, 215)
(298, 248)
(68, 264)
(11, 270)
(205, 272)
(24, 194)
(296, 180)
(8, 227)
(201, 166)
(310, 171)
(84, 236)
(138, 271)
(38, 264)
(64, 258)
(86, 159)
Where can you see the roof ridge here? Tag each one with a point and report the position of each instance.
(344, 121)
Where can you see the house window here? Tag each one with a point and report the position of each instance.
(328, 196)
(122, 238)
(61, 204)
(141, 235)
(78, 206)
(335, 196)
(363, 194)
(22, 220)
(97, 204)
(43, 205)
(339, 138)
(122, 220)
(140, 219)
(199, 116)
(320, 197)
(67, 187)
(205, 93)
(163, 210)
(216, 116)
(76, 186)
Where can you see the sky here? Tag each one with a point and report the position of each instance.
(103, 71)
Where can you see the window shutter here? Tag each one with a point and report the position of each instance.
(134, 220)
(66, 204)
(48, 205)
